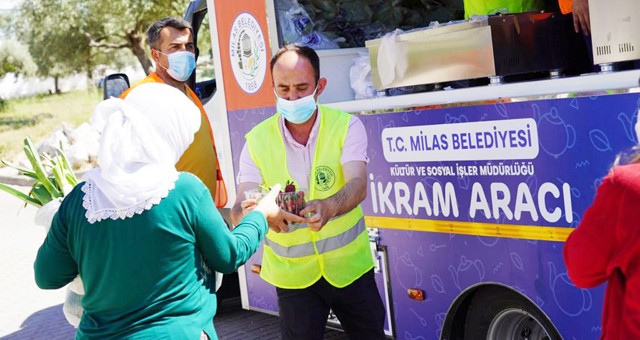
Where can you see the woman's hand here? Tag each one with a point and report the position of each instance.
(248, 206)
(277, 218)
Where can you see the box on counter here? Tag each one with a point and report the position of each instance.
(491, 46)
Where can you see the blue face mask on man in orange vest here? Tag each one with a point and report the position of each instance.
(181, 64)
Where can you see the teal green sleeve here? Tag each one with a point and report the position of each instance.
(224, 250)
(54, 266)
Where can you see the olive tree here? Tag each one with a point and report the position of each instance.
(15, 58)
(70, 36)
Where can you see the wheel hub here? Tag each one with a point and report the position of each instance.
(516, 324)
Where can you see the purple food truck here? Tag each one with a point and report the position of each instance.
(472, 191)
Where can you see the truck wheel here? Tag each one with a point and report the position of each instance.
(499, 314)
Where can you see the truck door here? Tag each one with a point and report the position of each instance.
(205, 81)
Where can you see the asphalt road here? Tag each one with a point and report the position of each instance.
(26, 311)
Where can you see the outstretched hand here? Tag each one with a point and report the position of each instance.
(277, 218)
(581, 21)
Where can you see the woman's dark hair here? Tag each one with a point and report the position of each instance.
(303, 51)
(153, 32)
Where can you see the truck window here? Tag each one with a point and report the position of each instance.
(326, 24)
(338, 31)
(205, 73)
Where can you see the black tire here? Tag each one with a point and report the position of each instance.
(499, 313)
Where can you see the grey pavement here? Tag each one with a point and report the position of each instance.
(26, 311)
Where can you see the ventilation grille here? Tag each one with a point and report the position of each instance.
(626, 47)
(603, 50)
(511, 61)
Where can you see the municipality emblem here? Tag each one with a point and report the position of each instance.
(247, 49)
(325, 178)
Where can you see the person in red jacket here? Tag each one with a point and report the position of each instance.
(606, 248)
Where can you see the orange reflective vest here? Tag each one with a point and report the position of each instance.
(197, 159)
(565, 6)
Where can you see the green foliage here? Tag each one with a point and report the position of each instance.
(52, 174)
(69, 36)
(205, 69)
(14, 57)
(4, 104)
(204, 39)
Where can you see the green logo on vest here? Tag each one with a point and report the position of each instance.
(325, 178)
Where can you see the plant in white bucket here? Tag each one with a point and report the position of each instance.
(53, 179)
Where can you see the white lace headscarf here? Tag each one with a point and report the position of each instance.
(142, 138)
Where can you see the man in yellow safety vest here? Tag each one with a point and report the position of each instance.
(324, 264)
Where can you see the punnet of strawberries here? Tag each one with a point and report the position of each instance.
(290, 199)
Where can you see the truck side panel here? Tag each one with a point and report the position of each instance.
(451, 224)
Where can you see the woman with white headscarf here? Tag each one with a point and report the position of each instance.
(139, 233)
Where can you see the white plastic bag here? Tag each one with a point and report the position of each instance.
(317, 41)
(218, 280)
(360, 78)
(392, 58)
(72, 307)
(44, 215)
(208, 271)
(295, 22)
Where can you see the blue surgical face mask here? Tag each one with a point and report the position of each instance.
(297, 111)
(181, 64)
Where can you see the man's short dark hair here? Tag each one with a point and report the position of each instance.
(153, 33)
(303, 51)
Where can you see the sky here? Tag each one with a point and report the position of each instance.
(6, 5)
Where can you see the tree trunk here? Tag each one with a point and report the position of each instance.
(89, 70)
(138, 48)
(56, 86)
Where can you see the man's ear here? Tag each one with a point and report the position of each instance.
(155, 55)
(322, 83)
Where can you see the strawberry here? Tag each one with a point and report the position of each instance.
(290, 187)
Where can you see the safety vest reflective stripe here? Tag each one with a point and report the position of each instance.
(299, 250)
(296, 226)
(324, 245)
(338, 241)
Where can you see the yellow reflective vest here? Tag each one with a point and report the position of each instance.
(488, 7)
(340, 251)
